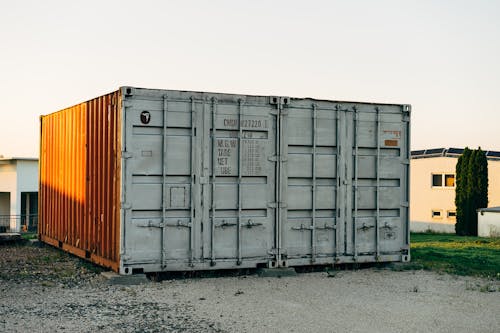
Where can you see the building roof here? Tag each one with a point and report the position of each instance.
(449, 152)
(489, 209)
(8, 160)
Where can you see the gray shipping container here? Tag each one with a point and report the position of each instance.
(219, 181)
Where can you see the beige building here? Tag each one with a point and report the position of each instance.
(432, 188)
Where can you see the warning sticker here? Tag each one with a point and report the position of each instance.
(391, 138)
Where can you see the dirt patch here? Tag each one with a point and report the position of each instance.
(44, 266)
(364, 300)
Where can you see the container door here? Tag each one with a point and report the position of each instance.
(163, 167)
(343, 181)
(313, 187)
(380, 169)
(239, 181)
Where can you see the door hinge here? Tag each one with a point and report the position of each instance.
(280, 204)
(126, 154)
(276, 158)
(125, 205)
(273, 251)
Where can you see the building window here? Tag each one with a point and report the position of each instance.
(443, 180)
(437, 180)
(449, 180)
(452, 214)
(436, 214)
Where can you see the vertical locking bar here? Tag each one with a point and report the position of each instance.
(193, 175)
(164, 186)
(240, 168)
(214, 166)
(378, 188)
(339, 183)
(345, 180)
(278, 223)
(356, 186)
(406, 146)
(314, 138)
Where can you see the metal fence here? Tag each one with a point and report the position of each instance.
(28, 222)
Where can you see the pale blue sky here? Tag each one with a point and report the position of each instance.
(443, 57)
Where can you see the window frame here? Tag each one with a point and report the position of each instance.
(436, 217)
(451, 217)
(443, 175)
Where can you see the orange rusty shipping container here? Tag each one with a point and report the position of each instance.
(80, 180)
(150, 180)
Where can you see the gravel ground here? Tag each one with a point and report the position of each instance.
(45, 290)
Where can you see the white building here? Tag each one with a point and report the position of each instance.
(18, 193)
(432, 188)
(488, 222)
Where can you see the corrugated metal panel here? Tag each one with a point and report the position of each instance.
(201, 180)
(344, 181)
(227, 181)
(79, 179)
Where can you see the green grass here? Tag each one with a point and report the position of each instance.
(29, 235)
(457, 254)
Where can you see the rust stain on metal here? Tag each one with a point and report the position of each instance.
(80, 179)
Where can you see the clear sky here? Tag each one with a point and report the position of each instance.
(443, 57)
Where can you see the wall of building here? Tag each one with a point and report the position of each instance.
(8, 183)
(29, 171)
(8, 176)
(493, 183)
(488, 224)
(4, 203)
(17, 176)
(425, 198)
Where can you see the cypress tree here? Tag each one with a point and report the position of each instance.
(471, 194)
(461, 191)
(480, 188)
(471, 191)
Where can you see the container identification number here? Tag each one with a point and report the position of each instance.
(247, 123)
